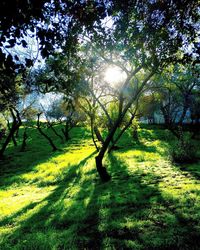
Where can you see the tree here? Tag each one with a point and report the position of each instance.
(16, 123)
(150, 35)
(9, 97)
(55, 111)
(149, 104)
(147, 35)
(195, 107)
(174, 89)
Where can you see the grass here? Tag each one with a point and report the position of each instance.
(56, 200)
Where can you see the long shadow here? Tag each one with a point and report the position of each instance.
(127, 142)
(17, 163)
(173, 230)
(52, 208)
(127, 213)
(139, 146)
(189, 169)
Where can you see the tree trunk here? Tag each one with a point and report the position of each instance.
(13, 135)
(121, 133)
(14, 140)
(15, 126)
(17, 133)
(99, 158)
(56, 133)
(54, 148)
(92, 132)
(8, 139)
(135, 135)
(98, 135)
(25, 137)
(66, 130)
(66, 134)
(102, 170)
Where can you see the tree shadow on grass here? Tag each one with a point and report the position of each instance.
(46, 214)
(146, 137)
(139, 146)
(127, 213)
(18, 163)
(144, 218)
(190, 169)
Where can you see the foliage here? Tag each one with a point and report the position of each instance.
(65, 18)
(55, 110)
(9, 90)
(175, 92)
(195, 106)
(148, 32)
(30, 114)
(148, 105)
(184, 150)
(2, 122)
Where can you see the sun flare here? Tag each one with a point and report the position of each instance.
(114, 76)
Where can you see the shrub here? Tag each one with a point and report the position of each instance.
(184, 150)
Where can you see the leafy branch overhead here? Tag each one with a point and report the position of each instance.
(153, 30)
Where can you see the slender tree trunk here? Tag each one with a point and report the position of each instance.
(66, 134)
(15, 126)
(98, 135)
(50, 125)
(14, 140)
(17, 133)
(25, 137)
(99, 158)
(54, 148)
(121, 133)
(92, 132)
(13, 135)
(7, 141)
(56, 133)
(65, 131)
(135, 134)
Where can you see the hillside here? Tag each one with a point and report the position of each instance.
(57, 201)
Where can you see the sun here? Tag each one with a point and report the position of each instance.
(114, 76)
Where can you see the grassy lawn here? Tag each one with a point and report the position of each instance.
(56, 200)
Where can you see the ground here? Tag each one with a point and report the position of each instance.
(57, 201)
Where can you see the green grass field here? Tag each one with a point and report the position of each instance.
(57, 201)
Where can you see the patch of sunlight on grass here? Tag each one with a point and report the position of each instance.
(59, 202)
(16, 207)
(13, 200)
(55, 170)
(135, 224)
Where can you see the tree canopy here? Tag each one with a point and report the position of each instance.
(80, 39)
(151, 29)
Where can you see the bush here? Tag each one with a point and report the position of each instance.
(184, 150)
